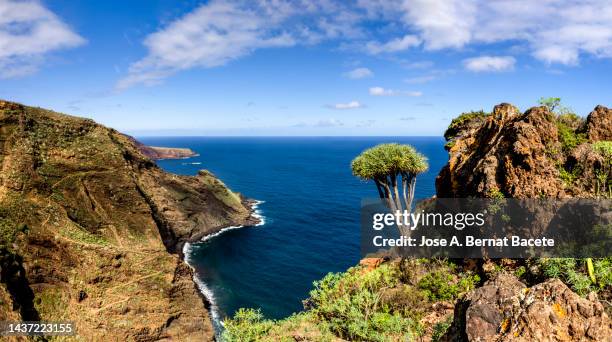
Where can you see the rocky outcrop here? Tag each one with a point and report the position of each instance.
(526, 155)
(158, 153)
(504, 309)
(521, 155)
(91, 230)
(599, 124)
(507, 152)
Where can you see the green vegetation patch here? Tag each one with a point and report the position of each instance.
(441, 284)
(461, 120)
(81, 235)
(362, 304)
(569, 137)
(219, 189)
(574, 272)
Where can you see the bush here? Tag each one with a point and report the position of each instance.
(573, 272)
(568, 137)
(247, 325)
(351, 304)
(457, 122)
(440, 329)
(442, 285)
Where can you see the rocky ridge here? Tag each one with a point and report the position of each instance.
(525, 155)
(522, 155)
(91, 230)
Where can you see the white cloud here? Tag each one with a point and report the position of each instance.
(395, 45)
(329, 123)
(441, 23)
(359, 73)
(348, 105)
(210, 36)
(380, 91)
(28, 31)
(418, 65)
(421, 79)
(220, 31)
(321, 123)
(555, 31)
(489, 63)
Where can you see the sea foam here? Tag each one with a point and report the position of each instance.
(202, 287)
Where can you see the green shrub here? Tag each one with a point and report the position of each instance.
(457, 122)
(604, 148)
(573, 272)
(350, 304)
(247, 325)
(440, 329)
(442, 285)
(569, 177)
(570, 120)
(568, 137)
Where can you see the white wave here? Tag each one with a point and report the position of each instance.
(257, 213)
(204, 289)
(192, 163)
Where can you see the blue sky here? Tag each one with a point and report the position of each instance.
(325, 67)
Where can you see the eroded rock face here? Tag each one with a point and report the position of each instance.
(599, 124)
(522, 155)
(504, 309)
(508, 152)
(93, 228)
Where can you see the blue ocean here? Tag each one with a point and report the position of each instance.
(310, 204)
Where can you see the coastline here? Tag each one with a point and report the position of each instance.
(255, 219)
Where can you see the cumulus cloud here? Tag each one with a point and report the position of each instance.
(210, 36)
(380, 91)
(555, 31)
(220, 31)
(348, 105)
(217, 32)
(28, 31)
(489, 63)
(395, 45)
(421, 79)
(359, 73)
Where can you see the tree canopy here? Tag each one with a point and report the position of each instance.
(391, 166)
(387, 159)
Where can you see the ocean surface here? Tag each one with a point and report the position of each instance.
(310, 206)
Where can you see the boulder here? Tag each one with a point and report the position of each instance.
(504, 309)
(599, 124)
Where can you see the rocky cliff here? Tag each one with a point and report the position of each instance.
(158, 153)
(91, 230)
(537, 153)
(530, 154)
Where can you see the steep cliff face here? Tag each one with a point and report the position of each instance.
(526, 155)
(91, 230)
(531, 154)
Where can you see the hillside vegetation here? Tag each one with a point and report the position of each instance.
(91, 230)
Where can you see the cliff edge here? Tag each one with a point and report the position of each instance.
(91, 230)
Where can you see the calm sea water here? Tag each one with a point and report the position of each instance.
(311, 209)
